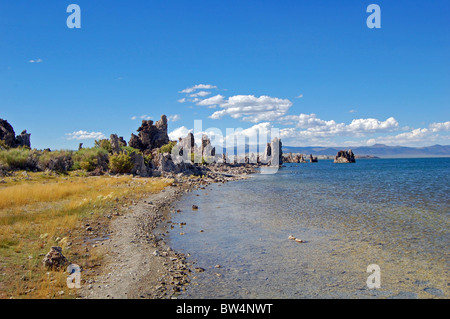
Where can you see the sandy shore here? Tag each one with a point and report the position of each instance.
(137, 261)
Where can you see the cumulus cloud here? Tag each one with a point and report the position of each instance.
(199, 87)
(218, 99)
(310, 126)
(249, 107)
(201, 94)
(174, 118)
(415, 136)
(84, 135)
(182, 132)
(143, 117)
(440, 127)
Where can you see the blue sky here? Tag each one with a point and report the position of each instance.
(313, 69)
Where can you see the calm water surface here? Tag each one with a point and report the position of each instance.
(389, 212)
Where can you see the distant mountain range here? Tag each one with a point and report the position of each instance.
(379, 150)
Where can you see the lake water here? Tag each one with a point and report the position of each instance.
(390, 212)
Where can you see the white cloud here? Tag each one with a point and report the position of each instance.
(145, 117)
(199, 87)
(182, 132)
(352, 111)
(440, 127)
(299, 96)
(372, 125)
(415, 136)
(311, 126)
(84, 135)
(36, 61)
(217, 99)
(201, 94)
(174, 118)
(248, 107)
(183, 100)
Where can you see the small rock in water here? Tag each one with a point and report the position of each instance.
(199, 269)
(194, 207)
(298, 240)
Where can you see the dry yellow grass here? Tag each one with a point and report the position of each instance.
(38, 211)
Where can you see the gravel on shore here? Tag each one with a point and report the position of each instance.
(137, 262)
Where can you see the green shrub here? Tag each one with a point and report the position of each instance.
(18, 158)
(3, 145)
(129, 150)
(168, 147)
(89, 159)
(120, 163)
(104, 144)
(148, 159)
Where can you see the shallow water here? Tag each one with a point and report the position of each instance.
(389, 212)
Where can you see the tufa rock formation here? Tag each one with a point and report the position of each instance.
(313, 159)
(294, 158)
(150, 136)
(345, 157)
(273, 154)
(207, 148)
(54, 259)
(7, 135)
(116, 143)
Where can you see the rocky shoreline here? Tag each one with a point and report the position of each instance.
(138, 264)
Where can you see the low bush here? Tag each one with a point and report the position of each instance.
(3, 145)
(90, 159)
(18, 158)
(129, 150)
(104, 144)
(168, 147)
(120, 163)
